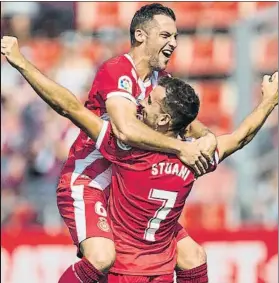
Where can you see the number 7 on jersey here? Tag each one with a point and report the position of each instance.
(168, 200)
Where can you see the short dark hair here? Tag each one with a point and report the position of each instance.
(145, 14)
(181, 102)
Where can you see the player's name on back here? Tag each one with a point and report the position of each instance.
(170, 169)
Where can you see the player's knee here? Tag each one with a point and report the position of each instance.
(102, 260)
(201, 257)
(192, 258)
(100, 252)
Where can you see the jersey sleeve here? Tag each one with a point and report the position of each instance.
(215, 162)
(115, 79)
(110, 147)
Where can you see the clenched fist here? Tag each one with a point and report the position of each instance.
(10, 49)
(270, 88)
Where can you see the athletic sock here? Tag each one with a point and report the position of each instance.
(194, 275)
(81, 272)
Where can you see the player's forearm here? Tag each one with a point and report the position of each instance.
(137, 134)
(58, 97)
(61, 100)
(247, 130)
(252, 124)
(197, 130)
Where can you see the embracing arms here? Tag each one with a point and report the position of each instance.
(122, 112)
(66, 104)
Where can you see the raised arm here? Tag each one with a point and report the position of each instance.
(228, 144)
(123, 112)
(57, 97)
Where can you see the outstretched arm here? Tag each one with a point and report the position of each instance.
(59, 98)
(228, 144)
(131, 130)
(63, 102)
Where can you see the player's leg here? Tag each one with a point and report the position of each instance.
(191, 259)
(86, 217)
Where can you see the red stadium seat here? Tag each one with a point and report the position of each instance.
(266, 54)
(212, 112)
(45, 52)
(219, 14)
(187, 13)
(126, 11)
(202, 55)
(209, 216)
(92, 50)
(223, 57)
(265, 4)
(91, 15)
(107, 14)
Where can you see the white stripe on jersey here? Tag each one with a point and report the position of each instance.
(79, 211)
(142, 88)
(102, 135)
(134, 74)
(77, 191)
(130, 59)
(81, 164)
(147, 83)
(123, 94)
(103, 180)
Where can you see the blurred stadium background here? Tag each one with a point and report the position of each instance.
(224, 49)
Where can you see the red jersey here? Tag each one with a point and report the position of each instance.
(147, 196)
(85, 164)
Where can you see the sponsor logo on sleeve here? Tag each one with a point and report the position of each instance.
(125, 83)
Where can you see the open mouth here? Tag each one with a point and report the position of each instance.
(167, 53)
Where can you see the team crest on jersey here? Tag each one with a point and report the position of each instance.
(125, 83)
(122, 145)
(103, 224)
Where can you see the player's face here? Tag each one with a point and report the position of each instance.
(152, 113)
(161, 41)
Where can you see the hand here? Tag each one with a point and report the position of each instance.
(270, 88)
(10, 49)
(191, 155)
(207, 145)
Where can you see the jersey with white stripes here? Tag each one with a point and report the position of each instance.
(147, 196)
(116, 77)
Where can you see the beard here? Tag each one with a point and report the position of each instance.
(156, 64)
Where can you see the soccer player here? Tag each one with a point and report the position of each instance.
(149, 189)
(119, 84)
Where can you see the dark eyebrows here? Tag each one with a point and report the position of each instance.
(169, 34)
(165, 33)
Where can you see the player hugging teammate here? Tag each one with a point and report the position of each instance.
(137, 236)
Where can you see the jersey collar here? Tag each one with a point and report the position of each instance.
(146, 83)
